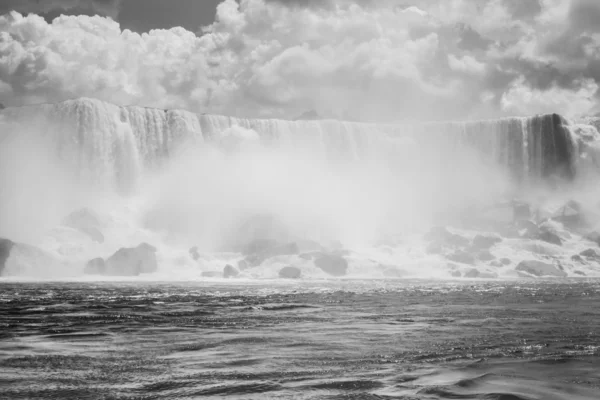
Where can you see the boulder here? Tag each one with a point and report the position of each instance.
(97, 266)
(539, 268)
(579, 273)
(590, 253)
(593, 236)
(484, 242)
(230, 272)
(461, 257)
(132, 261)
(496, 264)
(456, 274)
(578, 258)
(571, 215)
(332, 264)
(5, 248)
(290, 273)
(505, 261)
(243, 265)
(521, 210)
(550, 237)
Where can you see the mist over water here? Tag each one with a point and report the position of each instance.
(177, 180)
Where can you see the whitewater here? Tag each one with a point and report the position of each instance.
(84, 178)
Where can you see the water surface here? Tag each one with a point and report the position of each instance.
(308, 340)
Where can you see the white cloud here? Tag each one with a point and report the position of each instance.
(522, 99)
(366, 60)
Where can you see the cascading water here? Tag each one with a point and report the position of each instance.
(184, 179)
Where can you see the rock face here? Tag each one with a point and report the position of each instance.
(290, 273)
(132, 261)
(5, 248)
(194, 253)
(332, 264)
(539, 268)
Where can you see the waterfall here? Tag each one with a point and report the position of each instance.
(113, 145)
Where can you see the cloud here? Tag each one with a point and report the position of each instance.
(103, 7)
(367, 60)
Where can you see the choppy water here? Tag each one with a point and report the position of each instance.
(350, 340)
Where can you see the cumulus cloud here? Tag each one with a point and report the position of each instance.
(102, 7)
(363, 59)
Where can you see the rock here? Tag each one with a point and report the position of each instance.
(230, 272)
(579, 273)
(496, 264)
(550, 237)
(589, 253)
(456, 274)
(332, 264)
(472, 273)
(97, 266)
(5, 249)
(505, 261)
(593, 236)
(461, 257)
(528, 228)
(290, 273)
(132, 261)
(194, 253)
(578, 258)
(443, 236)
(571, 215)
(481, 242)
(539, 269)
(485, 255)
(94, 234)
(211, 274)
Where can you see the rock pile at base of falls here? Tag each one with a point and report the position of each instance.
(126, 262)
(290, 273)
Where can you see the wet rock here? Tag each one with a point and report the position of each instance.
(132, 261)
(97, 266)
(194, 253)
(472, 273)
(550, 237)
(461, 257)
(579, 273)
(539, 269)
(496, 264)
(590, 253)
(485, 255)
(332, 264)
(578, 258)
(456, 274)
(593, 236)
(290, 273)
(230, 272)
(484, 242)
(571, 215)
(505, 261)
(211, 274)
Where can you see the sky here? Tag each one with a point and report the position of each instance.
(367, 60)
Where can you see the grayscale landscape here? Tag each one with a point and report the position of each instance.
(269, 199)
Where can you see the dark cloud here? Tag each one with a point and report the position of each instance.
(585, 16)
(102, 7)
